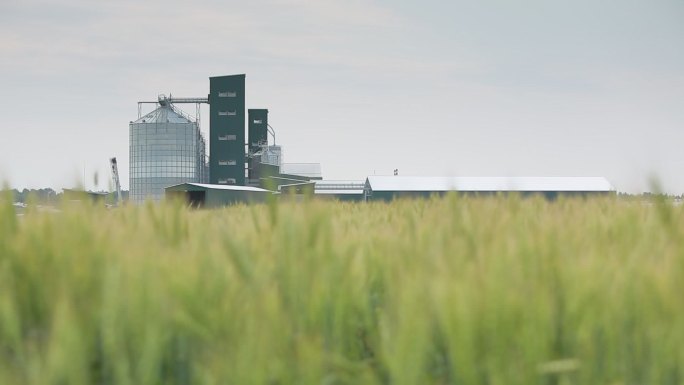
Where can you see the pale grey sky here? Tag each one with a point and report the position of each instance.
(465, 88)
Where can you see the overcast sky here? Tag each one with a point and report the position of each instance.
(430, 87)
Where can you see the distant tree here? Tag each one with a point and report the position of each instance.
(40, 196)
(50, 196)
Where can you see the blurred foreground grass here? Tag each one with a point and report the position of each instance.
(443, 291)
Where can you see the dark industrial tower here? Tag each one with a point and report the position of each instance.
(257, 124)
(257, 129)
(227, 130)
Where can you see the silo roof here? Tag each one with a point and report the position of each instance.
(483, 184)
(164, 114)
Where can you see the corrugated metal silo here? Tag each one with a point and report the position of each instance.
(166, 149)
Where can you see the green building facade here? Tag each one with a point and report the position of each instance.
(227, 130)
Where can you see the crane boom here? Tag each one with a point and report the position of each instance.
(115, 177)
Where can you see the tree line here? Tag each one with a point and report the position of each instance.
(48, 195)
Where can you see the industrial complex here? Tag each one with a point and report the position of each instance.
(168, 158)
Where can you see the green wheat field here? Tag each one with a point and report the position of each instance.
(449, 290)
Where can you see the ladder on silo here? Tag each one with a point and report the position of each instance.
(115, 177)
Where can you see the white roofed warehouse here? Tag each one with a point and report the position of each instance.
(392, 187)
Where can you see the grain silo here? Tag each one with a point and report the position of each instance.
(166, 149)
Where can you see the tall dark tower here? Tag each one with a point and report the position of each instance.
(257, 128)
(227, 130)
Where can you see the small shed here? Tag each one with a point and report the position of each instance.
(216, 195)
(301, 188)
(310, 171)
(391, 187)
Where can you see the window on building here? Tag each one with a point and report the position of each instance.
(227, 113)
(258, 121)
(227, 137)
(227, 181)
(227, 94)
(227, 162)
